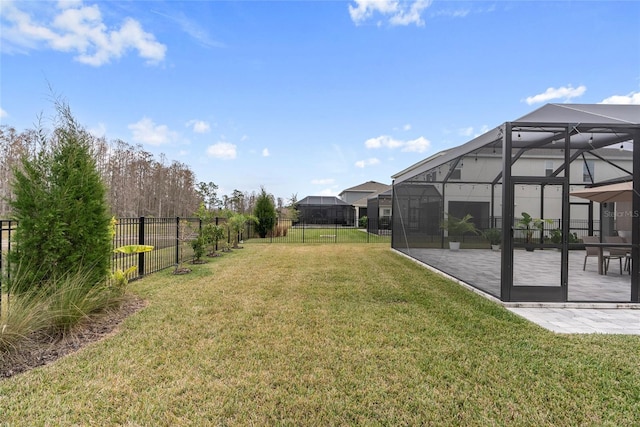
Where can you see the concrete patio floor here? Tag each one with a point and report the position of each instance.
(568, 320)
(597, 303)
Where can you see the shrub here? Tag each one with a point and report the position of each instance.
(236, 224)
(119, 279)
(265, 212)
(362, 222)
(199, 246)
(60, 205)
(556, 236)
(213, 234)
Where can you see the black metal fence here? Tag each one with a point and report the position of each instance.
(549, 231)
(287, 231)
(170, 237)
(7, 228)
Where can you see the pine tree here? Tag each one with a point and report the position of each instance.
(265, 212)
(61, 209)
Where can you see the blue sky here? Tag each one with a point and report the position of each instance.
(309, 97)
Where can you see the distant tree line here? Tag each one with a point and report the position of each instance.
(138, 184)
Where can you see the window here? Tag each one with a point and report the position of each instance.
(548, 167)
(456, 174)
(588, 171)
(432, 176)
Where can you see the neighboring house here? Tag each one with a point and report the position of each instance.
(357, 196)
(325, 210)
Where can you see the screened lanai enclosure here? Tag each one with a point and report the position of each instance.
(323, 210)
(520, 184)
(379, 213)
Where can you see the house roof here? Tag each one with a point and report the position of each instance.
(368, 187)
(363, 200)
(590, 126)
(322, 201)
(389, 193)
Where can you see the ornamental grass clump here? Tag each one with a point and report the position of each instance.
(21, 316)
(74, 299)
(53, 309)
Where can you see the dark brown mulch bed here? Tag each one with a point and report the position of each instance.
(45, 349)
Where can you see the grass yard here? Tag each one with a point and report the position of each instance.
(329, 234)
(345, 334)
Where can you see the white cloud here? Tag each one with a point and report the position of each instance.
(406, 127)
(199, 126)
(632, 98)
(79, 29)
(413, 15)
(368, 162)
(324, 181)
(3, 113)
(383, 141)
(222, 150)
(265, 152)
(399, 12)
(364, 9)
(418, 145)
(453, 13)
(566, 93)
(147, 132)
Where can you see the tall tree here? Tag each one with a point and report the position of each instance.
(265, 212)
(292, 208)
(208, 191)
(60, 204)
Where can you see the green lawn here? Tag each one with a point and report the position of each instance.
(346, 334)
(329, 234)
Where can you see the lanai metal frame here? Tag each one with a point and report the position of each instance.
(572, 129)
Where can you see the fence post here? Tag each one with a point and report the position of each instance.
(1, 271)
(141, 242)
(377, 227)
(216, 244)
(177, 240)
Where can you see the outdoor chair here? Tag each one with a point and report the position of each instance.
(626, 238)
(591, 251)
(614, 253)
